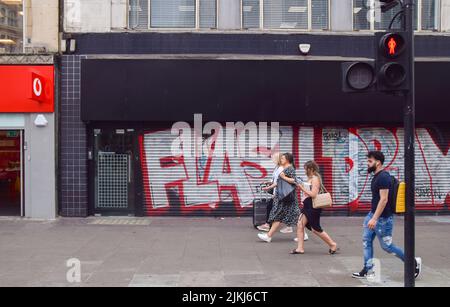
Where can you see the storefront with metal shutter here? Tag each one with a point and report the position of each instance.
(135, 165)
(142, 174)
(222, 186)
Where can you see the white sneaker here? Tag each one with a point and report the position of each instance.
(305, 238)
(265, 228)
(265, 237)
(418, 267)
(286, 230)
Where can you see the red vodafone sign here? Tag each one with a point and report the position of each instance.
(37, 87)
(26, 89)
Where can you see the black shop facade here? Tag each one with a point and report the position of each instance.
(120, 150)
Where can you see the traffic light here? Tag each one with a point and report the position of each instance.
(390, 72)
(358, 77)
(391, 62)
(388, 5)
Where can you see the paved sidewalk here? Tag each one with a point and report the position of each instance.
(202, 252)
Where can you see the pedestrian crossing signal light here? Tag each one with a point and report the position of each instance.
(391, 63)
(390, 73)
(392, 45)
(357, 77)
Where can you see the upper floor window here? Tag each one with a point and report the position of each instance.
(285, 14)
(194, 14)
(11, 26)
(3, 17)
(430, 14)
(367, 16)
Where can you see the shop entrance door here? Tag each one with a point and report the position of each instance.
(11, 173)
(114, 178)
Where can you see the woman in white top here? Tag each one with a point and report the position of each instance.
(276, 173)
(271, 185)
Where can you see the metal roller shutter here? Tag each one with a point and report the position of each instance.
(433, 169)
(390, 141)
(432, 164)
(335, 164)
(221, 185)
(226, 185)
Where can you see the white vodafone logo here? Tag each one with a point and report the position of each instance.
(37, 87)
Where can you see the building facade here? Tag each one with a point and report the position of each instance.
(28, 104)
(131, 69)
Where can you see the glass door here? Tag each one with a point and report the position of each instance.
(11, 173)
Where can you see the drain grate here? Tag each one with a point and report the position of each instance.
(121, 221)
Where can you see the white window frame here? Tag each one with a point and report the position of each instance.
(308, 29)
(419, 19)
(156, 29)
(438, 16)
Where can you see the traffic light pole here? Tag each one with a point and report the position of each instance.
(394, 74)
(409, 127)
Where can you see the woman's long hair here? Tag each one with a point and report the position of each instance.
(290, 158)
(311, 167)
(276, 158)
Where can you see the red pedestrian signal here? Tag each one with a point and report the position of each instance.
(391, 63)
(392, 44)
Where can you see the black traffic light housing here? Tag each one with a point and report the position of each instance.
(392, 62)
(358, 77)
(388, 5)
(389, 73)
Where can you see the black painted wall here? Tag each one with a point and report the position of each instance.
(323, 44)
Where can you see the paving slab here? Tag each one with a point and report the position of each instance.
(172, 252)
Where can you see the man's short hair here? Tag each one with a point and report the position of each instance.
(377, 155)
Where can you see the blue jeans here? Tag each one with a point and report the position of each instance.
(383, 231)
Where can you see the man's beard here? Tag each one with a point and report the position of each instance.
(371, 169)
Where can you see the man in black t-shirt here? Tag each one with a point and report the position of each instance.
(380, 220)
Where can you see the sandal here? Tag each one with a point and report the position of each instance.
(333, 252)
(295, 252)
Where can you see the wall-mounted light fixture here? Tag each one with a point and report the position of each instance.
(304, 48)
(40, 121)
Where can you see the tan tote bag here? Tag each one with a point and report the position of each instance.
(322, 200)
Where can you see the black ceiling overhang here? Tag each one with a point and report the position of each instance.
(286, 90)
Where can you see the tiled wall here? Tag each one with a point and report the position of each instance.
(73, 194)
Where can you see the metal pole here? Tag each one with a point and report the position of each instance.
(409, 127)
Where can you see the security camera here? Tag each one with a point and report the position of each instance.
(304, 48)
